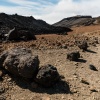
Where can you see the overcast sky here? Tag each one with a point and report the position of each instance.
(51, 11)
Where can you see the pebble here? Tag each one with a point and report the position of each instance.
(92, 67)
(93, 90)
(85, 82)
(9, 79)
(2, 89)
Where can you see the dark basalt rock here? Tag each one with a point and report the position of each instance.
(20, 62)
(92, 67)
(47, 76)
(73, 56)
(18, 35)
(2, 90)
(82, 45)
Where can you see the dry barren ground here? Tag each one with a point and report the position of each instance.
(79, 82)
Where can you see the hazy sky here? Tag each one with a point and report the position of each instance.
(51, 10)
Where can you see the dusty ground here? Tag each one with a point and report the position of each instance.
(79, 81)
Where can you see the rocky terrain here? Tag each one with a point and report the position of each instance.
(52, 66)
(8, 22)
(77, 21)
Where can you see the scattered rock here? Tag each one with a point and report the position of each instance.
(2, 97)
(93, 90)
(62, 77)
(73, 56)
(85, 82)
(92, 67)
(82, 45)
(18, 35)
(20, 62)
(47, 76)
(2, 89)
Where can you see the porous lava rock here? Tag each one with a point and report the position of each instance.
(17, 35)
(20, 62)
(47, 75)
(82, 45)
(73, 56)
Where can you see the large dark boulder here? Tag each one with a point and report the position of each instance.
(18, 35)
(26, 35)
(20, 62)
(73, 56)
(47, 76)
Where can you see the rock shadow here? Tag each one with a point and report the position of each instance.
(91, 51)
(81, 60)
(61, 87)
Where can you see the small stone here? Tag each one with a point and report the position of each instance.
(92, 89)
(9, 79)
(62, 97)
(82, 45)
(62, 77)
(73, 56)
(85, 82)
(74, 91)
(2, 89)
(64, 46)
(92, 67)
(77, 64)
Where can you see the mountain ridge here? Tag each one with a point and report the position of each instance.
(75, 21)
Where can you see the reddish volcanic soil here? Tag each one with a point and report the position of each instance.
(83, 29)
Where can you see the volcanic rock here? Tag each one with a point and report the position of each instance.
(92, 67)
(17, 35)
(82, 45)
(73, 56)
(2, 90)
(20, 62)
(47, 75)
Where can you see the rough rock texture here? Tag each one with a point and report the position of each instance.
(82, 45)
(20, 62)
(92, 67)
(18, 35)
(73, 56)
(47, 75)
